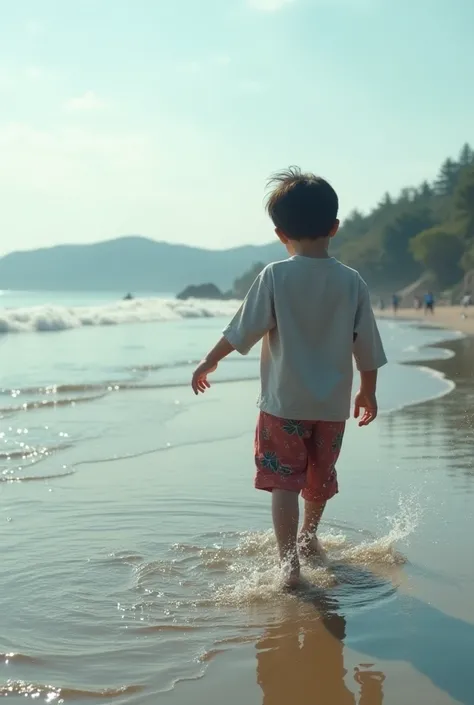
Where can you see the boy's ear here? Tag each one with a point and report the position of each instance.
(334, 228)
(281, 236)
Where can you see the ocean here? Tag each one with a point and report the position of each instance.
(138, 561)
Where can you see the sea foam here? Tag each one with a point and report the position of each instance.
(57, 318)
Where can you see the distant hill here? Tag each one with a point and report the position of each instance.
(133, 263)
(425, 229)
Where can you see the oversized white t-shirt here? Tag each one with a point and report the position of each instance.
(313, 315)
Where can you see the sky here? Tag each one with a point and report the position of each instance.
(165, 117)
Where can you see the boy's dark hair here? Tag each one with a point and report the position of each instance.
(303, 206)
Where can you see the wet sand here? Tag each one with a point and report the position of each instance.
(153, 577)
(454, 317)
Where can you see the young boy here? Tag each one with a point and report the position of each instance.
(313, 314)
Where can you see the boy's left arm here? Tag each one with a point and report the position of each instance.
(254, 318)
(209, 364)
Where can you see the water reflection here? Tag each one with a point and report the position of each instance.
(404, 628)
(441, 430)
(301, 659)
(434, 643)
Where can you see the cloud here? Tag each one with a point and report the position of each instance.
(68, 161)
(89, 183)
(268, 5)
(88, 102)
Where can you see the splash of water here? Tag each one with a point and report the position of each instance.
(255, 576)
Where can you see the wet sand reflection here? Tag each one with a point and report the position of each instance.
(301, 659)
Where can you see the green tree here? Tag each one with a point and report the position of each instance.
(398, 235)
(467, 260)
(425, 192)
(440, 251)
(406, 194)
(386, 201)
(354, 226)
(463, 203)
(447, 178)
(378, 243)
(466, 157)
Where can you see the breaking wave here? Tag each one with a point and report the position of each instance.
(42, 319)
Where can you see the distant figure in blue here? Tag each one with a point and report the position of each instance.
(429, 303)
(395, 303)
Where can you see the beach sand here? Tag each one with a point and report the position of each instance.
(453, 317)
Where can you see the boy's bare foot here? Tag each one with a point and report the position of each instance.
(310, 547)
(291, 573)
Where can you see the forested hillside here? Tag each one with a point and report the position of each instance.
(426, 227)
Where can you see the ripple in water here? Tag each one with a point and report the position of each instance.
(200, 584)
(219, 591)
(23, 449)
(13, 657)
(53, 694)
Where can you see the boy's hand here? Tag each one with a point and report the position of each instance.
(199, 382)
(368, 402)
(209, 364)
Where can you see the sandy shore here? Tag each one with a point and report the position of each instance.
(453, 317)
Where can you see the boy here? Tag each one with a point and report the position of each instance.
(313, 314)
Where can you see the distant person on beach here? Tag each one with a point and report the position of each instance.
(395, 303)
(417, 303)
(466, 301)
(381, 305)
(429, 302)
(313, 314)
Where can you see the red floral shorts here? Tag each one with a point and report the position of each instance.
(298, 456)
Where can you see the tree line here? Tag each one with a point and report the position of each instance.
(425, 228)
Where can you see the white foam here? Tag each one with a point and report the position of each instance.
(253, 564)
(56, 318)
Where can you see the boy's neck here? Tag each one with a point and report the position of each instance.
(317, 249)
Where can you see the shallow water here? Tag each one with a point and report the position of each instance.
(138, 562)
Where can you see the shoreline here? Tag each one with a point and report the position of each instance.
(180, 584)
(453, 318)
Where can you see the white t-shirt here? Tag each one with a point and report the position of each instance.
(308, 312)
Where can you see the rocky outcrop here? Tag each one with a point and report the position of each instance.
(211, 291)
(201, 291)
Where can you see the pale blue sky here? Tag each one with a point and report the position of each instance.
(164, 117)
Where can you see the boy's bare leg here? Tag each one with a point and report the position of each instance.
(307, 540)
(285, 511)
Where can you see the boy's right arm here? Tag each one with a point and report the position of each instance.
(369, 356)
(366, 398)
